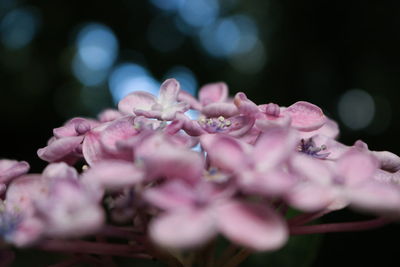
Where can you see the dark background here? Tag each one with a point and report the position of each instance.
(343, 56)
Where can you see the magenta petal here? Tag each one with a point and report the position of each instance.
(213, 92)
(10, 169)
(136, 100)
(169, 91)
(183, 229)
(306, 116)
(59, 148)
(113, 174)
(252, 225)
(220, 109)
(173, 195)
(356, 167)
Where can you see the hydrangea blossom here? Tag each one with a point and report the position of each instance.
(146, 185)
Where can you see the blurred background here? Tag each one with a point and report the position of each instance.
(60, 59)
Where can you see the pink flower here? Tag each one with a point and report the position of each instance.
(66, 145)
(195, 214)
(258, 168)
(164, 108)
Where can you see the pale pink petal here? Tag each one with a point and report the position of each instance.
(22, 192)
(312, 169)
(59, 170)
(184, 96)
(388, 161)
(165, 158)
(306, 116)
(92, 149)
(136, 100)
(60, 148)
(375, 197)
(356, 167)
(10, 169)
(183, 229)
(245, 106)
(70, 211)
(169, 113)
(169, 91)
(213, 92)
(224, 152)
(29, 231)
(74, 127)
(252, 225)
(113, 174)
(240, 125)
(272, 183)
(109, 115)
(329, 129)
(220, 109)
(118, 130)
(273, 147)
(173, 195)
(265, 122)
(311, 197)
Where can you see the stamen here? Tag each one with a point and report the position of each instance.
(309, 147)
(214, 125)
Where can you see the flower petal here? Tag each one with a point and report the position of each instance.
(252, 225)
(311, 197)
(59, 170)
(136, 100)
(173, 195)
(245, 106)
(10, 169)
(213, 92)
(273, 147)
(224, 152)
(169, 91)
(306, 116)
(60, 148)
(356, 167)
(220, 109)
(388, 161)
(376, 197)
(113, 174)
(183, 229)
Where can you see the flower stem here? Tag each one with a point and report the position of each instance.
(306, 217)
(93, 248)
(338, 227)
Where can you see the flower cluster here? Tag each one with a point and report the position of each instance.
(155, 176)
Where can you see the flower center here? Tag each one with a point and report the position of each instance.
(309, 147)
(214, 125)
